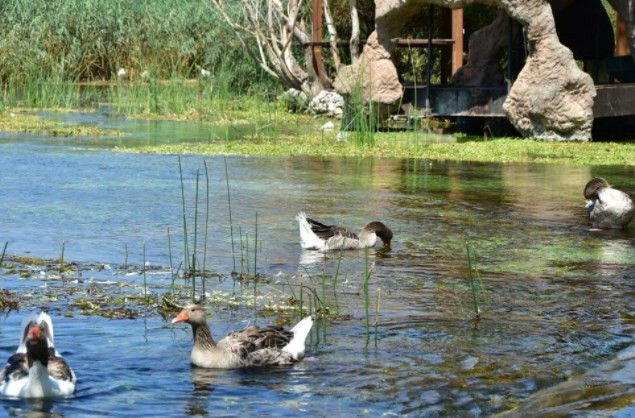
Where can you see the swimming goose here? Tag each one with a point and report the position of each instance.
(250, 347)
(37, 370)
(317, 236)
(608, 208)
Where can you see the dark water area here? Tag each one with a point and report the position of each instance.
(559, 299)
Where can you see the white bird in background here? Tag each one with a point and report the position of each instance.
(122, 73)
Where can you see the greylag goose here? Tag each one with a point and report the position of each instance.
(250, 347)
(37, 370)
(608, 208)
(317, 236)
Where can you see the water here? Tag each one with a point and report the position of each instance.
(559, 299)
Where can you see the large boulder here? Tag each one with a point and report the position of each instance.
(551, 98)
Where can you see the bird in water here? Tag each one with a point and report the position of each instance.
(315, 235)
(37, 370)
(608, 208)
(251, 347)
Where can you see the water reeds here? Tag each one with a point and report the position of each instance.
(145, 281)
(185, 239)
(366, 296)
(172, 274)
(231, 224)
(256, 248)
(62, 257)
(125, 260)
(476, 285)
(193, 265)
(206, 226)
(4, 251)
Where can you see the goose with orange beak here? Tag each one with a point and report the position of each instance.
(251, 347)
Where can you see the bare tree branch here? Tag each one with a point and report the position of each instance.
(330, 26)
(354, 41)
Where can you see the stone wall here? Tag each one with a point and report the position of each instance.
(551, 99)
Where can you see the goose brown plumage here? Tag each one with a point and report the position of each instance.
(251, 347)
(315, 235)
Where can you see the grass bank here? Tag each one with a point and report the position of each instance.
(402, 145)
(34, 124)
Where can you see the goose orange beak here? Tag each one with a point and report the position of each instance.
(34, 334)
(182, 317)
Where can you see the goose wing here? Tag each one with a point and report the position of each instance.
(251, 339)
(329, 231)
(15, 369)
(58, 368)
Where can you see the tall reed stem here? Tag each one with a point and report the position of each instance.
(4, 251)
(229, 204)
(145, 282)
(62, 257)
(193, 274)
(256, 248)
(172, 275)
(185, 244)
(206, 222)
(366, 301)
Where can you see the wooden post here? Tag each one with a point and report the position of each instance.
(457, 35)
(446, 55)
(621, 43)
(316, 19)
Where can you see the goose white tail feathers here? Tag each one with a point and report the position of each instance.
(300, 332)
(308, 239)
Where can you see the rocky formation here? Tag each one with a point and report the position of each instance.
(551, 98)
(326, 103)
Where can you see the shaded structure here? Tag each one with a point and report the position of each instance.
(540, 89)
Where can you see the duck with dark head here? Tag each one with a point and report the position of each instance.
(608, 208)
(315, 235)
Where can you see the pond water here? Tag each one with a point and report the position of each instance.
(558, 298)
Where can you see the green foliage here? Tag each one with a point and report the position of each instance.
(83, 40)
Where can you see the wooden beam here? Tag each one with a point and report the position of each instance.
(457, 35)
(316, 23)
(621, 43)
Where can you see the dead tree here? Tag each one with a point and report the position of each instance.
(273, 32)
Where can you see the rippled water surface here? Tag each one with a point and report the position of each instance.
(558, 300)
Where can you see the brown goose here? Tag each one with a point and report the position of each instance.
(37, 370)
(608, 208)
(315, 235)
(250, 347)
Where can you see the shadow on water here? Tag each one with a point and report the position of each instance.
(557, 300)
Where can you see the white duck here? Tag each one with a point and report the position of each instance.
(250, 347)
(37, 370)
(317, 236)
(608, 208)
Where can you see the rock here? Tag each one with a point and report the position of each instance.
(327, 103)
(551, 99)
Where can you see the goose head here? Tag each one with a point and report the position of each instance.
(36, 339)
(191, 314)
(381, 230)
(591, 191)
